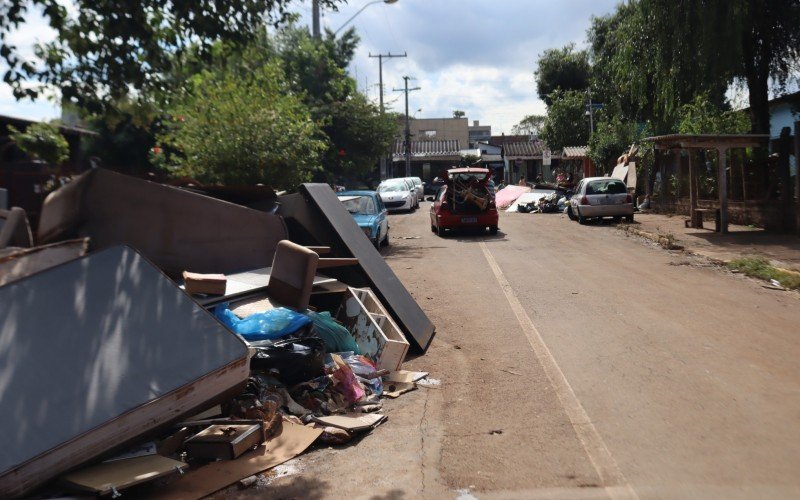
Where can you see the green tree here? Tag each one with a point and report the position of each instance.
(105, 50)
(530, 125)
(41, 141)
(702, 117)
(566, 123)
(458, 114)
(241, 127)
(702, 46)
(562, 69)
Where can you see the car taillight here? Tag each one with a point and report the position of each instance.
(584, 200)
(629, 199)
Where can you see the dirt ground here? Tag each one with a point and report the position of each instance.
(575, 362)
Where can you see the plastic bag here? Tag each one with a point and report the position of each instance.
(364, 367)
(271, 324)
(336, 336)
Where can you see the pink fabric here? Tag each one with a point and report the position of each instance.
(506, 196)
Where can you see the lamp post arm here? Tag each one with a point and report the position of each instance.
(356, 14)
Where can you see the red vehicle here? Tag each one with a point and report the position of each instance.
(465, 201)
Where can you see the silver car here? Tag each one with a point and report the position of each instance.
(398, 194)
(598, 197)
(418, 186)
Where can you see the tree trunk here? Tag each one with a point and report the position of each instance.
(757, 52)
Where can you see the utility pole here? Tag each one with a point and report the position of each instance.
(408, 128)
(384, 173)
(315, 22)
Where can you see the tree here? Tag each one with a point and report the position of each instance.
(566, 123)
(458, 114)
(702, 117)
(106, 51)
(41, 141)
(715, 41)
(562, 69)
(530, 125)
(241, 127)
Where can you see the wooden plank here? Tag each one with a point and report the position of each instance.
(110, 477)
(336, 262)
(723, 189)
(320, 250)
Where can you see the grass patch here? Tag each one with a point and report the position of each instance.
(759, 267)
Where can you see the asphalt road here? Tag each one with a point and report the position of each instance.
(576, 362)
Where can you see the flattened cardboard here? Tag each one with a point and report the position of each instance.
(405, 376)
(396, 389)
(104, 478)
(98, 353)
(292, 441)
(353, 422)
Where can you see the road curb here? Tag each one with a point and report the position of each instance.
(666, 241)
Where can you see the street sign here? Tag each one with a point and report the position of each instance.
(546, 157)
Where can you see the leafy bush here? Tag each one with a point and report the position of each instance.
(41, 141)
(241, 127)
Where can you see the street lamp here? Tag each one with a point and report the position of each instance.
(361, 10)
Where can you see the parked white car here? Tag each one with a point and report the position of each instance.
(598, 197)
(398, 194)
(419, 188)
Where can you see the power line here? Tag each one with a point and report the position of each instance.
(408, 128)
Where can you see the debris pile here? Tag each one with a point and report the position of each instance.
(113, 374)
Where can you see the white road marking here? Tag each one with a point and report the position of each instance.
(605, 465)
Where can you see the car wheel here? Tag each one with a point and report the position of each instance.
(493, 229)
(433, 228)
(617, 218)
(629, 218)
(440, 231)
(570, 214)
(377, 241)
(385, 241)
(581, 219)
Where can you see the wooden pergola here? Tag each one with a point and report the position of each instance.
(719, 142)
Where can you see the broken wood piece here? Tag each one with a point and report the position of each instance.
(110, 477)
(320, 250)
(336, 262)
(209, 284)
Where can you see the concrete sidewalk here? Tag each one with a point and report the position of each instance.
(783, 250)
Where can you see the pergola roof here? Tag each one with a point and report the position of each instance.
(708, 141)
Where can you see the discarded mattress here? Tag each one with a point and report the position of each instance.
(96, 353)
(532, 197)
(506, 196)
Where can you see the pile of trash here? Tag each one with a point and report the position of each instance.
(136, 349)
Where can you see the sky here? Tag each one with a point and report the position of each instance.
(477, 56)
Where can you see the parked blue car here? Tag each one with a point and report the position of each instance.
(369, 213)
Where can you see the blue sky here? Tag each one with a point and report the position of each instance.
(473, 55)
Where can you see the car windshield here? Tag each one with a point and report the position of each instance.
(360, 205)
(611, 186)
(392, 187)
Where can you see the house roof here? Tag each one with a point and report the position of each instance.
(520, 149)
(575, 152)
(24, 122)
(500, 140)
(425, 149)
(708, 141)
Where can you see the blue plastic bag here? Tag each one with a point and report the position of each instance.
(336, 337)
(271, 324)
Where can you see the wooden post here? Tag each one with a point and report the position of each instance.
(722, 185)
(692, 189)
(797, 175)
